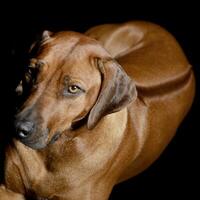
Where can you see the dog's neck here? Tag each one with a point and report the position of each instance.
(74, 159)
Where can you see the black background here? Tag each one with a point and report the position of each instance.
(176, 172)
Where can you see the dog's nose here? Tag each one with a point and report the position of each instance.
(24, 128)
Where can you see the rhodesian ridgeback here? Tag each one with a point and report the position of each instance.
(98, 108)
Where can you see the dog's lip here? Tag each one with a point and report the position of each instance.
(42, 141)
(55, 137)
(36, 145)
(66, 135)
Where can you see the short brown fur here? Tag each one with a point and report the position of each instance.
(125, 139)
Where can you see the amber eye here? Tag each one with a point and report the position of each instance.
(73, 89)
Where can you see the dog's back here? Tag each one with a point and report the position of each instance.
(164, 80)
(147, 52)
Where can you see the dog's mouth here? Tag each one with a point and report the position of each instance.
(36, 142)
(42, 141)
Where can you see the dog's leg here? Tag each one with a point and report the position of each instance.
(6, 194)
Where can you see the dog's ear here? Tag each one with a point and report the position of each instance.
(42, 37)
(117, 91)
(46, 35)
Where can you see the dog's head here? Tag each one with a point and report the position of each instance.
(71, 77)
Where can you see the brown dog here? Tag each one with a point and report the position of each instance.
(86, 123)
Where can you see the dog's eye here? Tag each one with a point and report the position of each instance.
(73, 89)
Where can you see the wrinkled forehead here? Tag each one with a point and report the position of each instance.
(69, 47)
(70, 53)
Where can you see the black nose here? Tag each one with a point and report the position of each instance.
(24, 128)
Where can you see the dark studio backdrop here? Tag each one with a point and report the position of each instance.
(176, 172)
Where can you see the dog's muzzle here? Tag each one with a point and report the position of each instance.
(30, 134)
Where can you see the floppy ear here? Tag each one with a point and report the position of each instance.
(117, 91)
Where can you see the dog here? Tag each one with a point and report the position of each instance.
(98, 108)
